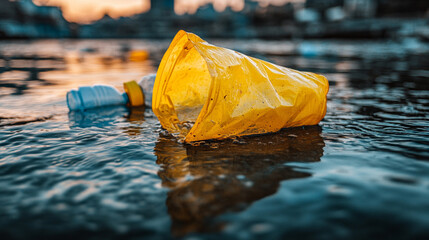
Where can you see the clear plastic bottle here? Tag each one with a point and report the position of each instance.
(146, 84)
(86, 97)
(95, 96)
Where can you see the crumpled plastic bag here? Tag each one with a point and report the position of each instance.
(204, 92)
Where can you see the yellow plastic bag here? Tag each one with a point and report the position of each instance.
(206, 92)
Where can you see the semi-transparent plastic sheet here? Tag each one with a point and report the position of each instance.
(206, 92)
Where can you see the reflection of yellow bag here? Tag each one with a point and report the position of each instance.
(206, 92)
(203, 179)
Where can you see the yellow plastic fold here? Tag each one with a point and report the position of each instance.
(206, 92)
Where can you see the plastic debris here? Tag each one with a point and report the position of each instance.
(104, 95)
(146, 84)
(138, 55)
(206, 92)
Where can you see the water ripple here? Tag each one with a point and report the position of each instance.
(113, 173)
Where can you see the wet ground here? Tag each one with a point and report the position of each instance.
(112, 173)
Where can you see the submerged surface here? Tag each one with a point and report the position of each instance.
(113, 172)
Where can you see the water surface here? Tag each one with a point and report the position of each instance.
(112, 173)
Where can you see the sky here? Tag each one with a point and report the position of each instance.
(85, 11)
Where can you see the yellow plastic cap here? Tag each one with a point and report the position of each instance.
(135, 93)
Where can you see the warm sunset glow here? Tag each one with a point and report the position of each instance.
(277, 2)
(191, 6)
(85, 11)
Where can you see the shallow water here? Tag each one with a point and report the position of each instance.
(112, 173)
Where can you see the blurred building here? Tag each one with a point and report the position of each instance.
(162, 6)
(24, 19)
(360, 8)
(296, 19)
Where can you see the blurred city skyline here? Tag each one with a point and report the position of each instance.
(83, 11)
(214, 18)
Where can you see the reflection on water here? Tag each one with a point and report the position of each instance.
(41, 72)
(28, 69)
(218, 177)
(103, 116)
(97, 117)
(108, 116)
(111, 173)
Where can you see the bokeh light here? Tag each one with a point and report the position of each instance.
(83, 11)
